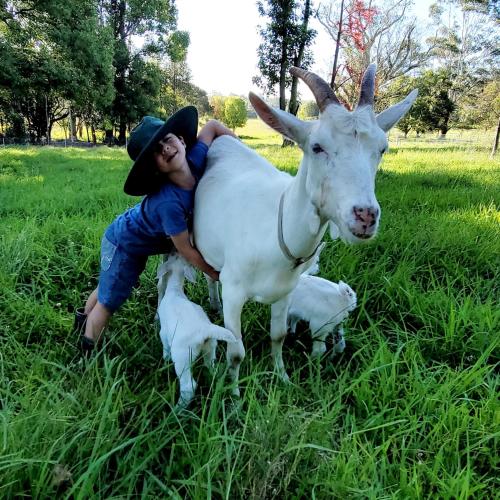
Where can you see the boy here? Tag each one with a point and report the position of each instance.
(169, 160)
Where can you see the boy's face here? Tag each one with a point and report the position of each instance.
(170, 154)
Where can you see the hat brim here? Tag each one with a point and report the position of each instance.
(141, 179)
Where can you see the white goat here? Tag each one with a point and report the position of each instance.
(259, 227)
(324, 305)
(185, 329)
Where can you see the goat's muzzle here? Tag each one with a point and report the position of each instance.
(365, 222)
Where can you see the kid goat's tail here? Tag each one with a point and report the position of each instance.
(219, 333)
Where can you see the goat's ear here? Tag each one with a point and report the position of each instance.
(389, 117)
(285, 123)
(190, 273)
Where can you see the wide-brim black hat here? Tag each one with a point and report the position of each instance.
(143, 178)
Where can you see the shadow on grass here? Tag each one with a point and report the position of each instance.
(439, 180)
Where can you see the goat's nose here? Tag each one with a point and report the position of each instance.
(365, 223)
(366, 215)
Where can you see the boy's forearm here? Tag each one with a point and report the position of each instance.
(194, 257)
(221, 129)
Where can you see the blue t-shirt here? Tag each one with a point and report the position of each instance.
(146, 228)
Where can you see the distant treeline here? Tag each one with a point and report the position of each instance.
(90, 65)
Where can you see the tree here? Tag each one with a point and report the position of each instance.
(69, 49)
(433, 107)
(235, 112)
(307, 110)
(465, 45)
(285, 41)
(178, 91)
(217, 103)
(482, 109)
(374, 31)
(155, 21)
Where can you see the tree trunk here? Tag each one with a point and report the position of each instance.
(495, 142)
(72, 126)
(293, 105)
(94, 138)
(337, 48)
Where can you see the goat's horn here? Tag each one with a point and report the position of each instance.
(322, 92)
(367, 93)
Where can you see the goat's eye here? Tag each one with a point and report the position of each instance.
(316, 148)
(382, 151)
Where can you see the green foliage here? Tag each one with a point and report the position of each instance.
(433, 108)
(410, 410)
(217, 104)
(308, 110)
(482, 109)
(235, 112)
(86, 62)
(70, 50)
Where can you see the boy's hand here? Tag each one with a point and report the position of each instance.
(214, 275)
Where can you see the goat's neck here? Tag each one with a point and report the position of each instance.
(302, 226)
(175, 284)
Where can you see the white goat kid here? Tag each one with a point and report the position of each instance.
(185, 330)
(259, 227)
(324, 305)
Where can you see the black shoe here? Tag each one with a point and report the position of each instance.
(86, 345)
(80, 321)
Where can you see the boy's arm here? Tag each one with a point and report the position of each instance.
(213, 129)
(183, 245)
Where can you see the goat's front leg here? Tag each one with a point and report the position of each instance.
(279, 312)
(233, 301)
(319, 332)
(338, 341)
(213, 295)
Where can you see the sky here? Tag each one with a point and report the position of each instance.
(222, 54)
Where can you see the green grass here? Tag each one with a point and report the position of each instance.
(410, 409)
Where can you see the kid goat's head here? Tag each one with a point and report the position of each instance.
(342, 151)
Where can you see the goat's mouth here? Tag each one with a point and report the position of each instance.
(353, 237)
(363, 236)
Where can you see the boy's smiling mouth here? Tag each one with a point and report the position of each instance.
(169, 158)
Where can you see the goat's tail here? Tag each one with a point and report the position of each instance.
(219, 333)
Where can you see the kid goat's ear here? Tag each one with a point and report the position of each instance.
(190, 273)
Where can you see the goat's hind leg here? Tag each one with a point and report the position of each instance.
(279, 312)
(209, 351)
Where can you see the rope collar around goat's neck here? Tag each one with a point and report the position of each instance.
(296, 261)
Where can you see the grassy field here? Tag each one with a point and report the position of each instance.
(409, 410)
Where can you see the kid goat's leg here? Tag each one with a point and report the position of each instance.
(213, 294)
(279, 311)
(182, 359)
(233, 304)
